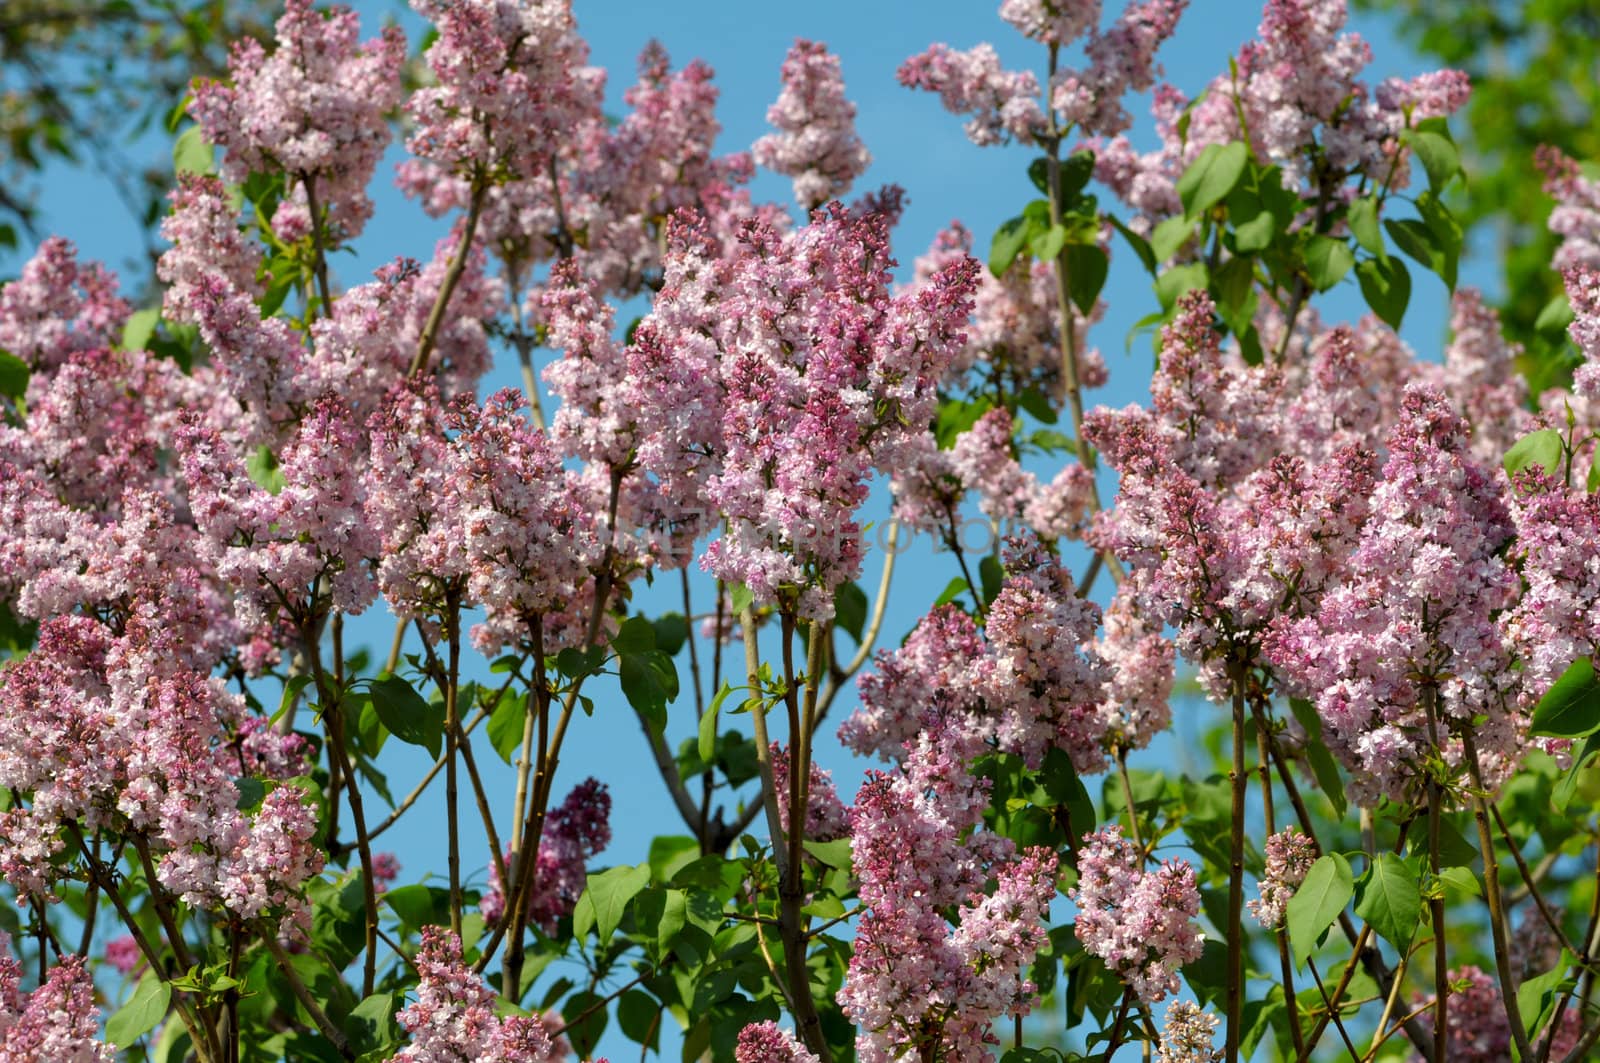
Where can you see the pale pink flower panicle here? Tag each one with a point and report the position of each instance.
(315, 109)
(816, 141)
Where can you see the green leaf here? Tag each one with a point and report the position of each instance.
(506, 724)
(262, 465)
(604, 900)
(14, 375)
(672, 631)
(1087, 267)
(1386, 286)
(835, 853)
(140, 327)
(1461, 879)
(413, 904)
(850, 609)
(191, 153)
(1571, 707)
(1168, 237)
(1140, 245)
(141, 1013)
(1390, 898)
(406, 715)
(636, 635)
(1542, 448)
(1047, 243)
(650, 681)
(1007, 244)
(1255, 234)
(708, 724)
(1556, 315)
(371, 1025)
(992, 576)
(1439, 156)
(639, 1016)
(1327, 888)
(1362, 217)
(1179, 280)
(674, 917)
(1327, 261)
(952, 590)
(740, 597)
(1536, 997)
(1561, 794)
(291, 694)
(1211, 177)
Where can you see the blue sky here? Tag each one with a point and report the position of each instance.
(914, 144)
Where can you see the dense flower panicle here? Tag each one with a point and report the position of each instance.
(1576, 217)
(916, 853)
(528, 531)
(309, 538)
(1047, 688)
(58, 1022)
(1414, 617)
(454, 1017)
(1475, 1018)
(120, 734)
(1141, 923)
(1557, 548)
(574, 832)
(600, 403)
(1290, 855)
(929, 677)
(124, 955)
(826, 816)
(259, 360)
(1188, 1035)
(767, 1042)
(1120, 59)
(511, 79)
(1004, 104)
(1583, 292)
(57, 306)
(1058, 22)
(203, 229)
(816, 141)
(1481, 377)
(314, 109)
(1140, 674)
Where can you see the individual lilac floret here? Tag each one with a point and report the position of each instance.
(1141, 923)
(815, 142)
(314, 110)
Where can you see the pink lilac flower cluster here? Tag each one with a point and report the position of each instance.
(1188, 1035)
(472, 507)
(1300, 95)
(57, 306)
(1239, 501)
(1290, 855)
(767, 1042)
(314, 110)
(816, 141)
(454, 1016)
(1576, 217)
(1120, 59)
(1141, 923)
(1003, 104)
(928, 494)
(1411, 632)
(1480, 377)
(766, 385)
(826, 816)
(915, 983)
(1583, 292)
(1058, 22)
(117, 733)
(1476, 1018)
(58, 1022)
(1557, 549)
(574, 832)
(1030, 683)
